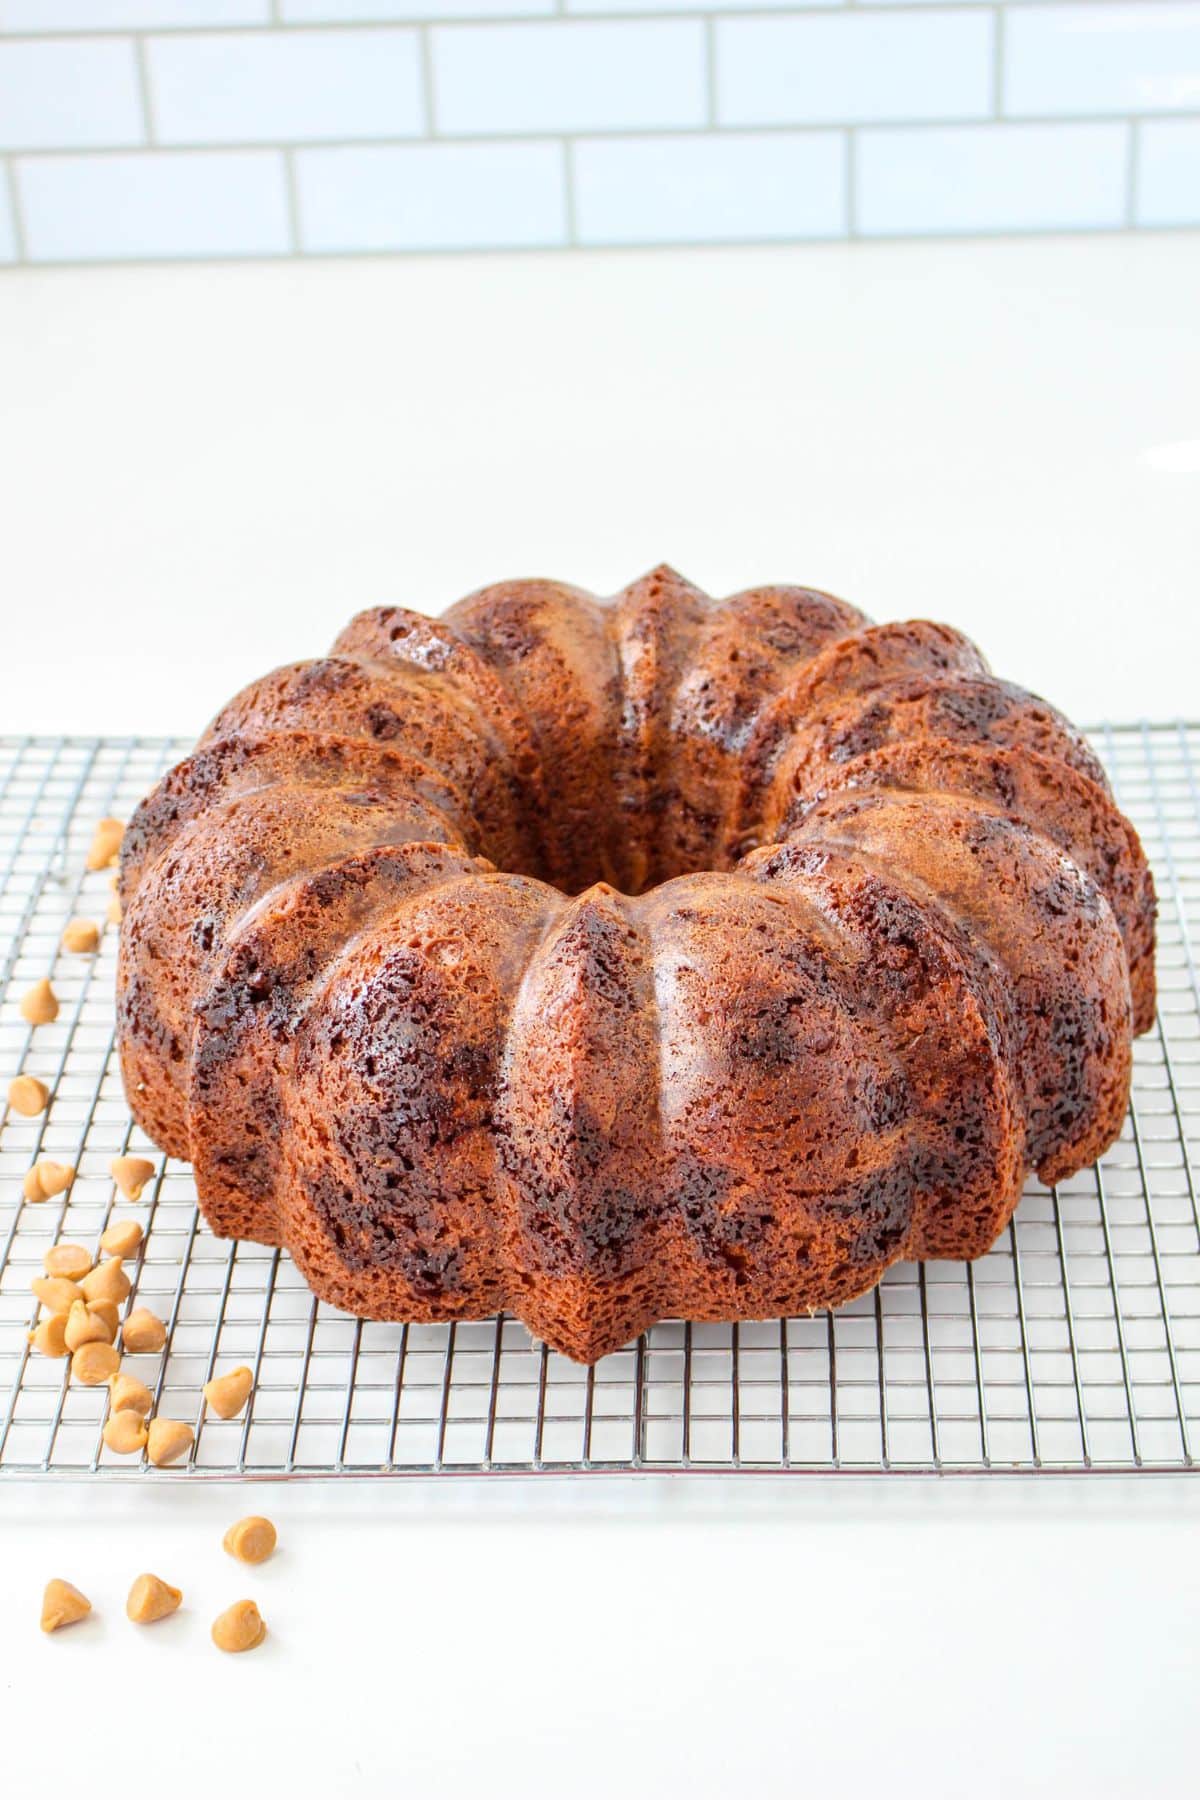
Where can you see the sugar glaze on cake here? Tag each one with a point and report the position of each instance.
(603, 961)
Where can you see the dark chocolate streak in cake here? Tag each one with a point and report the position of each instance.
(603, 961)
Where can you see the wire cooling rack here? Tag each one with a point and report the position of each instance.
(1073, 1345)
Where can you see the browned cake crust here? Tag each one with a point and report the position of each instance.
(602, 961)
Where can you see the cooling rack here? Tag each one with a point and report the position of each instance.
(1073, 1346)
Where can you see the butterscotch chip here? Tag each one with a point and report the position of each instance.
(127, 1394)
(56, 1293)
(81, 937)
(151, 1599)
(251, 1540)
(131, 1173)
(62, 1605)
(40, 1005)
(106, 842)
(71, 1261)
(109, 1315)
(227, 1394)
(108, 1282)
(112, 911)
(239, 1627)
(50, 1336)
(46, 1179)
(125, 1432)
(143, 1333)
(85, 1326)
(93, 1364)
(28, 1096)
(121, 1238)
(169, 1440)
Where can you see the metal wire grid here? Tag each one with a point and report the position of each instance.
(1074, 1345)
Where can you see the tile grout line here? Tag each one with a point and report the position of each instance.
(14, 203)
(144, 89)
(999, 20)
(488, 139)
(276, 24)
(630, 246)
(484, 140)
(425, 51)
(570, 217)
(292, 193)
(1133, 166)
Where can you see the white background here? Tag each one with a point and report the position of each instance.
(204, 472)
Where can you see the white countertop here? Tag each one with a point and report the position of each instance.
(205, 471)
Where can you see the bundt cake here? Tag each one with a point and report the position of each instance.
(607, 960)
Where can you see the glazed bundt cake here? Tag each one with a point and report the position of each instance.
(602, 961)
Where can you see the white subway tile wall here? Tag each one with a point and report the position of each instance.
(569, 76)
(727, 186)
(162, 203)
(823, 68)
(992, 178)
(255, 87)
(432, 196)
(183, 128)
(1168, 187)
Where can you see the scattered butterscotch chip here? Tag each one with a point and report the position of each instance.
(93, 1364)
(85, 1326)
(28, 1096)
(125, 1432)
(227, 1394)
(106, 842)
(69, 1260)
(121, 1238)
(50, 1336)
(40, 1005)
(239, 1627)
(169, 1440)
(251, 1540)
(81, 937)
(107, 1282)
(143, 1333)
(62, 1605)
(131, 1173)
(128, 1394)
(46, 1179)
(56, 1293)
(151, 1599)
(112, 911)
